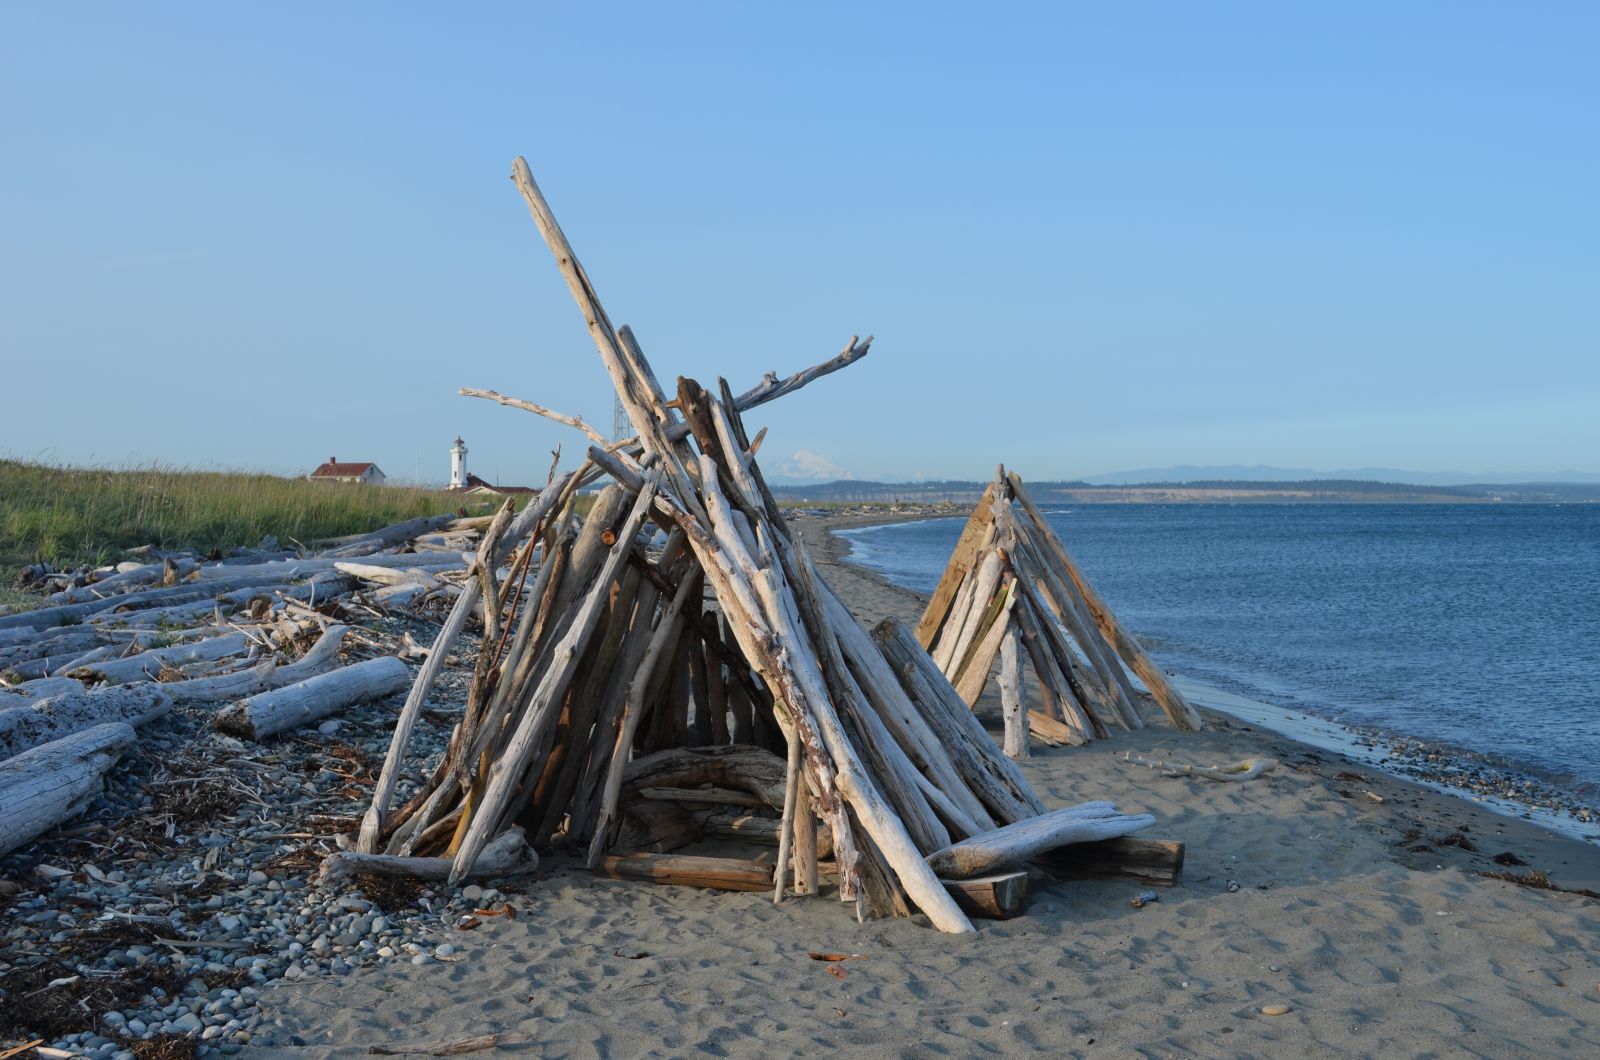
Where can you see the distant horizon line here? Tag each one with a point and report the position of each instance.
(1176, 475)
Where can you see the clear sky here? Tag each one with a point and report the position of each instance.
(1087, 237)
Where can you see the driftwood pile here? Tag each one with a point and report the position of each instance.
(676, 668)
(1011, 590)
(259, 634)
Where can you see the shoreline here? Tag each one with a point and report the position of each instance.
(1425, 763)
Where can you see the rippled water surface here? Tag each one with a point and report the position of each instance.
(1472, 625)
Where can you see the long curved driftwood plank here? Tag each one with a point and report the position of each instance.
(1016, 843)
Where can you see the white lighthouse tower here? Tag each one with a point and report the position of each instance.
(458, 465)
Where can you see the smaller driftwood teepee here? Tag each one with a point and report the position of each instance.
(1011, 589)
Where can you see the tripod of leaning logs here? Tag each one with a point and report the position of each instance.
(672, 666)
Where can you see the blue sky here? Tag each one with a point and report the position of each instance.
(1087, 237)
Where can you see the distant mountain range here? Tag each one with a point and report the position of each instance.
(1263, 473)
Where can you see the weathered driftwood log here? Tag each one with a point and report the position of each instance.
(33, 691)
(1018, 842)
(451, 1046)
(294, 705)
(392, 535)
(104, 651)
(321, 657)
(1233, 772)
(41, 721)
(998, 897)
(508, 855)
(19, 635)
(53, 783)
(219, 576)
(1012, 707)
(1155, 861)
(399, 597)
(687, 870)
(38, 644)
(959, 632)
(147, 666)
(143, 574)
(206, 583)
(388, 575)
(1054, 733)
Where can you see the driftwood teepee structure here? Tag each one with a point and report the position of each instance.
(660, 651)
(1010, 589)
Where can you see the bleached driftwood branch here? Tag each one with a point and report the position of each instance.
(1248, 769)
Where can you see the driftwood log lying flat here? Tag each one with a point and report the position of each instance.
(1017, 843)
(508, 855)
(998, 897)
(41, 721)
(40, 652)
(361, 546)
(320, 658)
(451, 1047)
(147, 666)
(34, 691)
(53, 783)
(268, 713)
(1153, 861)
(685, 870)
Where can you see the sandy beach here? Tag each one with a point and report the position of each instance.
(1366, 918)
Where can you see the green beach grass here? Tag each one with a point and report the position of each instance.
(64, 516)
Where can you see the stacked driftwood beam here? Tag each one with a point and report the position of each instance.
(116, 648)
(1010, 591)
(673, 659)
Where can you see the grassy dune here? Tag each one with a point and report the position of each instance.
(73, 515)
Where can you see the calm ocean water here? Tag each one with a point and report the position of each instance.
(1476, 626)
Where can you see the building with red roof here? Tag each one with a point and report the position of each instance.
(334, 471)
